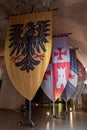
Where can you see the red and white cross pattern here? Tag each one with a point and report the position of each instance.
(60, 64)
(59, 68)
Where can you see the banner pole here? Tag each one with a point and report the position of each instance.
(29, 112)
(53, 108)
(54, 115)
(66, 107)
(30, 122)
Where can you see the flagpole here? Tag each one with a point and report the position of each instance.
(53, 108)
(30, 122)
(66, 107)
(29, 113)
(54, 115)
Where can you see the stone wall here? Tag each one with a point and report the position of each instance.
(9, 96)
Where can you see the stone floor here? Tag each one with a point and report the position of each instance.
(76, 120)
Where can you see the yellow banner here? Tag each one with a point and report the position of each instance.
(27, 50)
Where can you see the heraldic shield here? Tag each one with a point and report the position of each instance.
(73, 77)
(27, 50)
(60, 64)
(57, 73)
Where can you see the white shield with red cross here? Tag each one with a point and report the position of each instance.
(54, 83)
(60, 64)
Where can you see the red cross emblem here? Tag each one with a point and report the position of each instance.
(60, 53)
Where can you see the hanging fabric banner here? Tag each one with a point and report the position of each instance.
(73, 77)
(27, 50)
(81, 77)
(79, 90)
(47, 83)
(57, 73)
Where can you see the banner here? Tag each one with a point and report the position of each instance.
(81, 77)
(79, 90)
(57, 73)
(73, 77)
(27, 50)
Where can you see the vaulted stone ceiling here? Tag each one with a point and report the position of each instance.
(71, 17)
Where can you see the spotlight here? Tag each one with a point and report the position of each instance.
(48, 113)
(37, 104)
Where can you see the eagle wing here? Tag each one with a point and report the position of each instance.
(16, 41)
(29, 43)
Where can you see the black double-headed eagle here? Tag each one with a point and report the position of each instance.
(27, 42)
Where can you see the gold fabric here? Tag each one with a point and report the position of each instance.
(27, 82)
